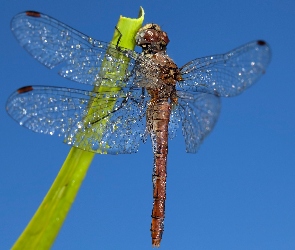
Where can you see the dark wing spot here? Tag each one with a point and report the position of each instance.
(261, 43)
(24, 89)
(33, 13)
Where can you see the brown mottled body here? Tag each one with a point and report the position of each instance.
(158, 114)
(160, 80)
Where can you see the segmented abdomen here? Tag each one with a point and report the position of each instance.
(158, 114)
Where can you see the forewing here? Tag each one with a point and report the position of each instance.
(198, 113)
(104, 122)
(227, 74)
(80, 57)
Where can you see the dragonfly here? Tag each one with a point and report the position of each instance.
(135, 95)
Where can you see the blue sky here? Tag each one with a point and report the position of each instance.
(237, 192)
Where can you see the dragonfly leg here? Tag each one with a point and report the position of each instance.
(120, 36)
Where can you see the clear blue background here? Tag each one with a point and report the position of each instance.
(237, 192)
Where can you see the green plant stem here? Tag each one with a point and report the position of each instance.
(43, 228)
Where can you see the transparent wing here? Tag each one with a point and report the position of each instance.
(174, 122)
(81, 57)
(227, 74)
(198, 113)
(104, 122)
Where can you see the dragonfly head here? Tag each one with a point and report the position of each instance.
(152, 39)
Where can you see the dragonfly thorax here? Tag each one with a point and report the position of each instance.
(159, 72)
(166, 75)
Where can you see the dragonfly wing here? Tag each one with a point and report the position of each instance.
(127, 125)
(54, 43)
(174, 121)
(198, 113)
(227, 74)
(104, 122)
